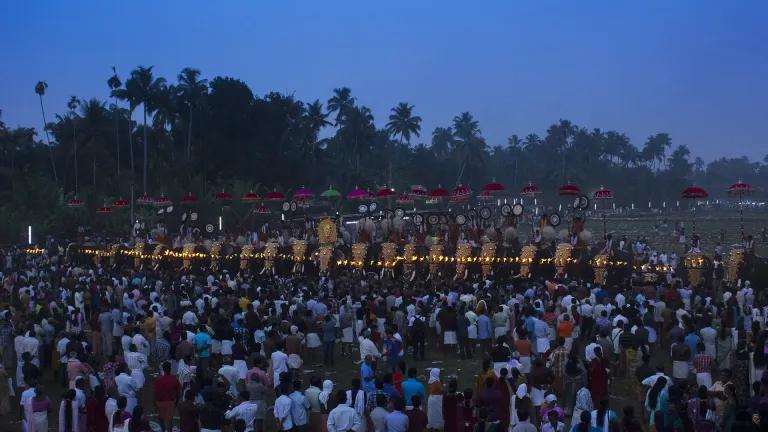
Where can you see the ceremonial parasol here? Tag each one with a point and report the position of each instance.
(385, 192)
(120, 203)
(740, 189)
(486, 195)
(144, 200)
(404, 199)
(439, 193)
(418, 192)
(261, 209)
(461, 193)
(250, 197)
(161, 201)
(75, 203)
(603, 195)
(694, 193)
(358, 194)
(274, 196)
(569, 189)
(189, 199)
(104, 210)
(493, 188)
(330, 193)
(303, 194)
(223, 196)
(530, 190)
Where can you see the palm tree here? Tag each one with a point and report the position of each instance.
(72, 104)
(129, 94)
(94, 121)
(656, 147)
(442, 141)
(314, 120)
(191, 89)
(402, 122)
(470, 146)
(357, 127)
(114, 84)
(147, 87)
(340, 103)
(40, 88)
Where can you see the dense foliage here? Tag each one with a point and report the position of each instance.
(202, 135)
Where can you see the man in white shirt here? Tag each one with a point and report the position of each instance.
(367, 347)
(127, 386)
(189, 318)
(61, 347)
(279, 363)
(245, 410)
(282, 409)
(343, 418)
(231, 374)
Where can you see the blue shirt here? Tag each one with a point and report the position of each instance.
(691, 340)
(299, 407)
(202, 342)
(412, 387)
(369, 386)
(396, 421)
(484, 327)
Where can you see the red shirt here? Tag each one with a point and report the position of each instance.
(167, 388)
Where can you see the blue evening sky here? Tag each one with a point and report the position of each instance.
(697, 69)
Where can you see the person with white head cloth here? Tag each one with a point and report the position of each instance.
(325, 397)
(435, 400)
(520, 401)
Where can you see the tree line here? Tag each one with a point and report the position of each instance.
(192, 134)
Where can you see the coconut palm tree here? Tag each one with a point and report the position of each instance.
(191, 90)
(442, 142)
(340, 103)
(402, 122)
(114, 83)
(314, 120)
(129, 94)
(40, 89)
(146, 87)
(469, 145)
(357, 129)
(72, 104)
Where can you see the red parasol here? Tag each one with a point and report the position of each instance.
(358, 194)
(303, 193)
(418, 192)
(261, 209)
(75, 203)
(223, 196)
(461, 193)
(162, 201)
(251, 196)
(602, 194)
(404, 199)
(104, 210)
(274, 196)
(694, 192)
(740, 188)
(189, 199)
(486, 195)
(493, 187)
(144, 200)
(439, 193)
(530, 190)
(120, 203)
(385, 192)
(569, 189)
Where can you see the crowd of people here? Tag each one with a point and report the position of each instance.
(118, 349)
